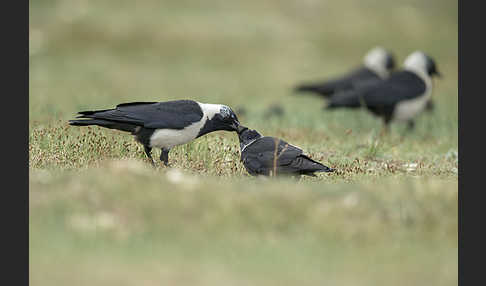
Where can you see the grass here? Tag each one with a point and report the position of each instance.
(99, 215)
(135, 225)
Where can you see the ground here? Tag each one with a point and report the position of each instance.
(99, 214)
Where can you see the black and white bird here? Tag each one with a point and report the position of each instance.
(163, 124)
(264, 155)
(400, 97)
(378, 63)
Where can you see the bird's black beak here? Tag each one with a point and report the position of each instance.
(240, 128)
(237, 126)
(437, 73)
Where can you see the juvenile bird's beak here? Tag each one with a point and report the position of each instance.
(240, 128)
(438, 74)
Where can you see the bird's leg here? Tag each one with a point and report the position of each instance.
(386, 126)
(148, 152)
(410, 125)
(430, 105)
(164, 156)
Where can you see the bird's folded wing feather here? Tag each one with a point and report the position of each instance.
(345, 82)
(400, 86)
(171, 114)
(265, 148)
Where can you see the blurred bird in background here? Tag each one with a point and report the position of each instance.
(162, 124)
(400, 97)
(377, 65)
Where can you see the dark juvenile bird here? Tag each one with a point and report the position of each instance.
(163, 124)
(377, 65)
(258, 156)
(400, 97)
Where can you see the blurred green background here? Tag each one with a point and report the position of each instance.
(100, 216)
(88, 54)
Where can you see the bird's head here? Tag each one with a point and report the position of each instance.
(421, 62)
(219, 117)
(226, 119)
(380, 60)
(247, 136)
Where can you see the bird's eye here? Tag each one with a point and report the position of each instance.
(225, 112)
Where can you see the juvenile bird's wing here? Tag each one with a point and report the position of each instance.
(259, 157)
(171, 114)
(304, 165)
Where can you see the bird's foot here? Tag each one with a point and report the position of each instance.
(164, 157)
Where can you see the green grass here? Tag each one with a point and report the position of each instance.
(99, 215)
(134, 225)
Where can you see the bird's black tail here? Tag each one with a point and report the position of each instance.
(348, 99)
(108, 118)
(332, 105)
(105, 123)
(305, 88)
(313, 88)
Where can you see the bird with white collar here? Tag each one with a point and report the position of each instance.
(400, 97)
(163, 124)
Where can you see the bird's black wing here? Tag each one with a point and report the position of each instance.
(259, 157)
(170, 114)
(365, 83)
(399, 86)
(302, 164)
(346, 82)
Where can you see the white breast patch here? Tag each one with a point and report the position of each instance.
(168, 138)
(407, 109)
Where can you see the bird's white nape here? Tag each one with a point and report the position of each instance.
(168, 138)
(376, 60)
(417, 62)
(210, 110)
